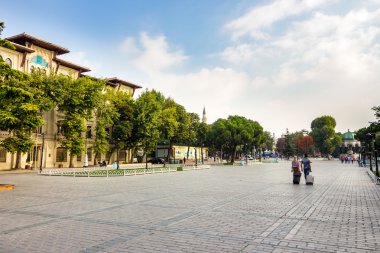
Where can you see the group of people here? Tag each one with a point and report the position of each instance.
(303, 165)
(347, 159)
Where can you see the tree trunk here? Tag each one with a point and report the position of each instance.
(169, 151)
(71, 165)
(18, 160)
(188, 150)
(233, 154)
(202, 153)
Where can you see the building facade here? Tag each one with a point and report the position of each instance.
(36, 55)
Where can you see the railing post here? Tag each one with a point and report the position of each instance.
(124, 173)
(107, 173)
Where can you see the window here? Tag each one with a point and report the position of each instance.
(79, 158)
(8, 61)
(32, 69)
(1, 58)
(3, 156)
(88, 132)
(61, 155)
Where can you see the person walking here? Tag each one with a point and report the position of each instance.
(296, 170)
(306, 165)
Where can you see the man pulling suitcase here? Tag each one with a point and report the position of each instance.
(306, 167)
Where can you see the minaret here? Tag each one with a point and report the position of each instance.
(204, 118)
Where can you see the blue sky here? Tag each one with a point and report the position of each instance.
(280, 62)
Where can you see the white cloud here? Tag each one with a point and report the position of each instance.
(152, 54)
(320, 64)
(217, 89)
(238, 54)
(255, 20)
(128, 46)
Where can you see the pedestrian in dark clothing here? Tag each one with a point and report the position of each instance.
(306, 165)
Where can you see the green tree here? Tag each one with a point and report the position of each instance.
(269, 141)
(190, 138)
(76, 99)
(324, 136)
(147, 119)
(290, 147)
(22, 103)
(168, 123)
(123, 121)
(377, 112)
(175, 123)
(106, 114)
(229, 134)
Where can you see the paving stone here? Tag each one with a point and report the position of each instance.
(224, 209)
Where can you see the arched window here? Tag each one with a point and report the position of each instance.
(32, 69)
(8, 61)
(1, 58)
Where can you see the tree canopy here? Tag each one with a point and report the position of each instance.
(21, 107)
(324, 136)
(228, 134)
(76, 99)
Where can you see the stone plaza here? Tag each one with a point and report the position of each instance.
(223, 209)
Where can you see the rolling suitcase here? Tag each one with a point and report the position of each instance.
(309, 179)
(296, 177)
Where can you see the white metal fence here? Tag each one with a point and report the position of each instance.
(131, 170)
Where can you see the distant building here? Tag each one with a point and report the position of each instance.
(349, 142)
(36, 55)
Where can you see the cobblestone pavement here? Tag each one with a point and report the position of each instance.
(224, 209)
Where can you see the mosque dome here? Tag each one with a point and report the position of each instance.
(348, 136)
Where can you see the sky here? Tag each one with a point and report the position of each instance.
(281, 63)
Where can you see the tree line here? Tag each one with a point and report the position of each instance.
(323, 138)
(121, 121)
